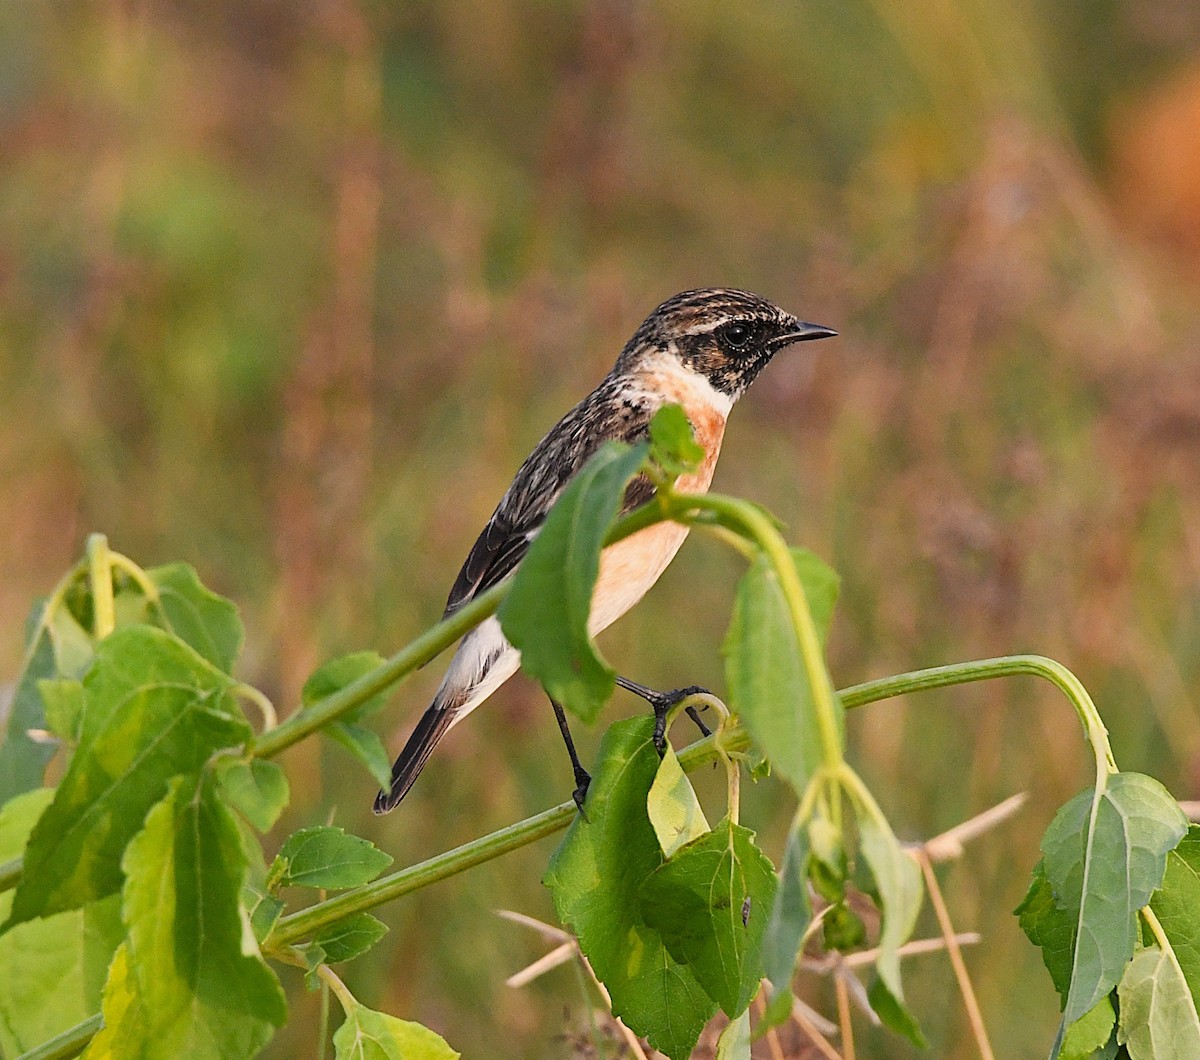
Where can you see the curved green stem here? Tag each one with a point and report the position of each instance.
(104, 611)
(986, 670)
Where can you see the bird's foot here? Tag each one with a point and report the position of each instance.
(583, 780)
(662, 702)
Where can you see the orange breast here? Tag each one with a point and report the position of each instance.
(630, 567)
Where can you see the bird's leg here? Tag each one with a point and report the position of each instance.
(662, 702)
(582, 777)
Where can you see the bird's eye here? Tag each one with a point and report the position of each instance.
(736, 336)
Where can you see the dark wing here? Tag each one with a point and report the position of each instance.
(609, 412)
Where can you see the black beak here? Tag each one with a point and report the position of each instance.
(802, 332)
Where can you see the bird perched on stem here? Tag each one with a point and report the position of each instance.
(701, 350)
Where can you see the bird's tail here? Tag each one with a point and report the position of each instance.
(483, 662)
(407, 767)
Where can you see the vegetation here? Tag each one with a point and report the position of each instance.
(287, 292)
(137, 874)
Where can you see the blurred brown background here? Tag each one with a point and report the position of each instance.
(288, 290)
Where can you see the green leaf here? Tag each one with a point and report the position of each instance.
(1090, 1032)
(124, 1032)
(257, 789)
(336, 674)
(1177, 905)
(369, 1035)
(1050, 928)
(59, 647)
(595, 876)
(711, 902)
(1104, 858)
(62, 698)
(264, 910)
(329, 858)
(202, 987)
(898, 884)
(734, 1043)
(366, 746)
(155, 709)
(1158, 1015)
(52, 972)
(672, 806)
(791, 913)
(199, 617)
(768, 684)
(545, 614)
(673, 446)
(349, 938)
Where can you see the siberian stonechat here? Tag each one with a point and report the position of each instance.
(701, 350)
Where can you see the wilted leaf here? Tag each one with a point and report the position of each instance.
(672, 806)
(898, 884)
(734, 1043)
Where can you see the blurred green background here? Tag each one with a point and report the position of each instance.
(288, 290)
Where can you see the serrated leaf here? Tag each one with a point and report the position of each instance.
(52, 972)
(329, 858)
(336, 674)
(369, 1035)
(1177, 905)
(367, 747)
(898, 885)
(672, 806)
(257, 789)
(711, 902)
(209, 623)
(59, 647)
(202, 987)
(734, 1043)
(546, 612)
(768, 684)
(673, 445)
(595, 876)
(1104, 858)
(349, 938)
(1158, 1016)
(155, 709)
(791, 913)
(1049, 928)
(124, 1032)
(1090, 1033)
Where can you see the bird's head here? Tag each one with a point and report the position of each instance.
(725, 335)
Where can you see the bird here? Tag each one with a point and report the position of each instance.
(699, 349)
